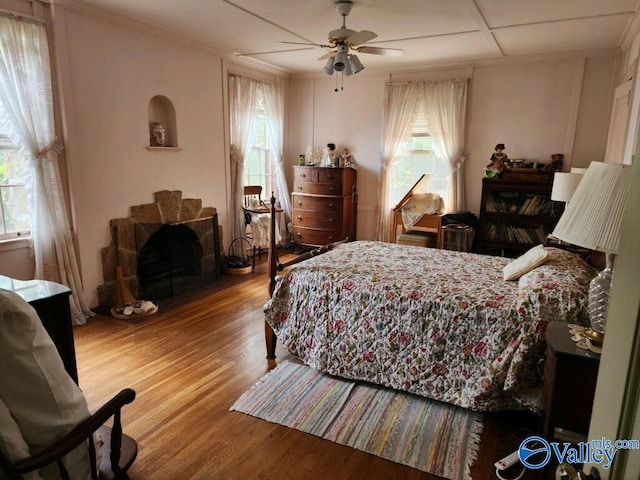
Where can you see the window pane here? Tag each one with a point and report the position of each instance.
(14, 207)
(415, 158)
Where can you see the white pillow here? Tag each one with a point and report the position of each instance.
(41, 397)
(535, 257)
(12, 444)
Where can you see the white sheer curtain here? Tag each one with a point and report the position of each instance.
(274, 107)
(399, 111)
(446, 104)
(243, 94)
(26, 97)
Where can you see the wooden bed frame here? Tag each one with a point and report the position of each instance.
(275, 266)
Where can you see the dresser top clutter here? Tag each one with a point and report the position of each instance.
(323, 201)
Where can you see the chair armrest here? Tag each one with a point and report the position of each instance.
(80, 433)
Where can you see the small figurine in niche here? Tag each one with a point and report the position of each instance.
(158, 134)
(497, 162)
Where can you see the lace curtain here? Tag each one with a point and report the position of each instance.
(399, 111)
(27, 107)
(445, 104)
(243, 94)
(274, 107)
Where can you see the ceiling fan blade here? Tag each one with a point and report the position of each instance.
(251, 54)
(363, 36)
(389, 52)
(310, 44)
(326, 55)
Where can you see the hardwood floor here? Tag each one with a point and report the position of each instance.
(188, 365)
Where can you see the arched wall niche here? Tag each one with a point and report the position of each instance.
(161, 110)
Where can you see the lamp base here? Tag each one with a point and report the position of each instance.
(596, 338)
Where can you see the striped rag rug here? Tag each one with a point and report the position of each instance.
(431, 436)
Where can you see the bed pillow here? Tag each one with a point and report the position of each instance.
(41, 397)
(535, 257)
(12, 445)
(559, 289)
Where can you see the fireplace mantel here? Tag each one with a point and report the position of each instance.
(169, 208)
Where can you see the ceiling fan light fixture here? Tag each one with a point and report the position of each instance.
(347, 67)
(340, 61)
(355, 63)
(328, 68)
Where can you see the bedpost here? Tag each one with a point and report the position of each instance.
(354, 213)
(269, 335)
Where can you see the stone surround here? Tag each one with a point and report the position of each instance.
(169, 208)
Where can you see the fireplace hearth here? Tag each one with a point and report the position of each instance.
(165, 248)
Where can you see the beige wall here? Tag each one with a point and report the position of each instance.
(108, 76)
(535, 108)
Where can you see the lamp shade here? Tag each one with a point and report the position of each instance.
(564, 184)
(328, 68)
(356, 64)
(593, 218)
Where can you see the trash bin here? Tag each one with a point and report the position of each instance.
(457, 236)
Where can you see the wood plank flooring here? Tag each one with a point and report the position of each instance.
(188, 365)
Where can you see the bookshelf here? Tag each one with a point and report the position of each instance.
(516, 212)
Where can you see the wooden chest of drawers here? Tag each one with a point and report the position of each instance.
(322, 202)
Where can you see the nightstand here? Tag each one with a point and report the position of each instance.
(570, 376)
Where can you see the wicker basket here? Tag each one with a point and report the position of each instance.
(235, 265)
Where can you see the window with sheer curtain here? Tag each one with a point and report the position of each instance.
(26, 117)
(423, 132)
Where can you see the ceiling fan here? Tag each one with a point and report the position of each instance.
(343, 40)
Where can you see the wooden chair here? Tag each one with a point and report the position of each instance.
(118, 451)
(252, 202)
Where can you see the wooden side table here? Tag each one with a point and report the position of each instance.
(570, 376)
(51, 301)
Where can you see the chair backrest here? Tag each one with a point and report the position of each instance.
(251, 193)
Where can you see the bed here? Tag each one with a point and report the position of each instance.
(436, 323)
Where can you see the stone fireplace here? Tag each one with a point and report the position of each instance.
(164, 248)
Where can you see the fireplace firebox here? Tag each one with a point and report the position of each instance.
(171, 258)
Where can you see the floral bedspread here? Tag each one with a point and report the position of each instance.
(437, 323)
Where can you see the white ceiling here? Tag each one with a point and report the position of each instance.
(430, 31)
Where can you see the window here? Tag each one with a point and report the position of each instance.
(257, 164)
(15, 216)
(416, 158)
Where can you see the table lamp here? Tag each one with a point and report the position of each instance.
(564, 186)
(593, 220)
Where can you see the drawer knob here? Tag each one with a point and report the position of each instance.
(330, 238)
(299, 203)
(300, 187)
(303, 175)
(331, 220)
(299, 217)
(331, 205)
(331, 189)
(299, 235)
(330, 177)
